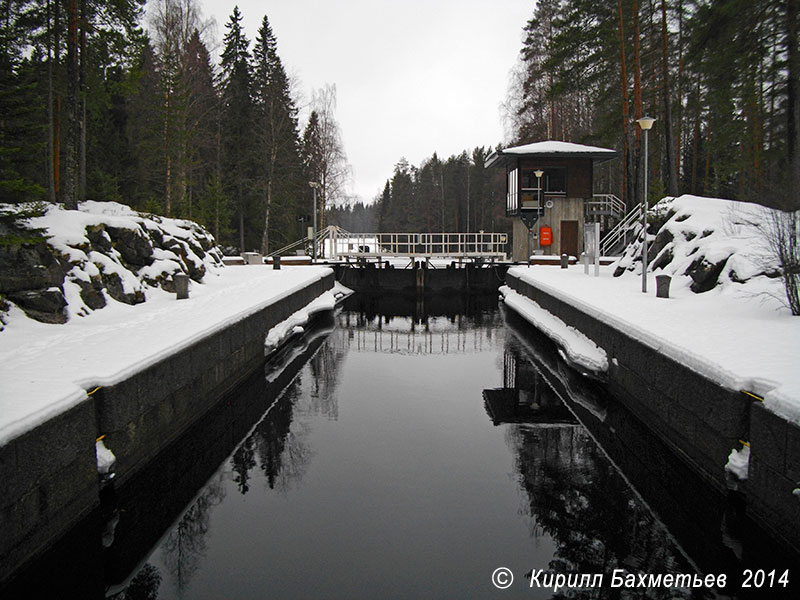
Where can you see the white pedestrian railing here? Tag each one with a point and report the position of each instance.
(334, 242)
(604, 205)
(377, 245)
(625, 230)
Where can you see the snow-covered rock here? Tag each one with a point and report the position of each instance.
(59, 264)
(704, 243)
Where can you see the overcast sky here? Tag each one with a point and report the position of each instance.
(413, 77)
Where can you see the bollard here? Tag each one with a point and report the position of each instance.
(662, 286)
(276, 263)
(564, 261)
(181, 281)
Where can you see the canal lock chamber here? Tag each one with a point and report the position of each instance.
(416, 443)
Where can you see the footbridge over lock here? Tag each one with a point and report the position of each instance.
(467, 262)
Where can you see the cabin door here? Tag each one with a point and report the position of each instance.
(569, 238)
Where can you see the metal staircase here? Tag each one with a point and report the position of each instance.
(329, 232)
(622, 233)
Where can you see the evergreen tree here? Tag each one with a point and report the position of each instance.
(199, 122)
(22, 111)
(145, 132)
(236, 125)
(277, 136)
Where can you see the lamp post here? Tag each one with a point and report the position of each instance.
(314, 185)
(645, 123)
(538, 173)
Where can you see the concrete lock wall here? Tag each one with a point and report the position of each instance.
(50, 472)
(700, 420)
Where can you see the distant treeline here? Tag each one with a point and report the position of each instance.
(458, 194)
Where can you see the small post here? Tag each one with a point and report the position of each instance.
(564, 261)
(181, 281)
(276, 263)
(662, 286)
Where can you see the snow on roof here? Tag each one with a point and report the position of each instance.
(556, 147)
(551, 149)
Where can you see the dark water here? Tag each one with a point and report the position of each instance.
(397, 456)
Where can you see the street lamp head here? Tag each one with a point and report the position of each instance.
(314, 184)
(538, 173)
(646, 122)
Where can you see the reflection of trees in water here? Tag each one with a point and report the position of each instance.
(325, 369)
(144, 586)
(186, 543)
(243, 460)
(279, 444)
(579, 499)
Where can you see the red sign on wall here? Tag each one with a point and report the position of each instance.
(545, 236)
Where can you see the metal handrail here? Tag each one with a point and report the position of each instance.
(621, 229)
(329, 231)
(608, 202)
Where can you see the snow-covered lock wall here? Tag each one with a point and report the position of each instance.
(101, 364)
(712, 369)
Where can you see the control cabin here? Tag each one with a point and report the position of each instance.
(547, 185)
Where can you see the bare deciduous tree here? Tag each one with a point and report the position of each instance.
(782, 230)
(332, 169)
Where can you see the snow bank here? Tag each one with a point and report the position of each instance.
(47, 369)
(579, 349)
(295, 323)
(103, 252)
(704, 243)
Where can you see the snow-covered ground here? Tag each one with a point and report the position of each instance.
(740, 333)
(49, 368)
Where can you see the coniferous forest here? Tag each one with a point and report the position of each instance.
(720, 77)
(97, 104)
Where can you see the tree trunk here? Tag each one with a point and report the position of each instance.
(56, 130)
(82, 106)
(265, 235)
(792, 107)
(51, 190)
(679, 120)
(637, 102)
(671, 176)
(167, 158)
(626, 197)
(73, 128)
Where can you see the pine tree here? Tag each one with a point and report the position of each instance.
(145, 131)
(199, 125)
(277, 136)
(22, 110)
(236, 122)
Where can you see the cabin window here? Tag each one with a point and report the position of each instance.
(512, 201)
(553, 180)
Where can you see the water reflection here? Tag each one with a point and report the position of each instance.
(185, 546)
(575, 495)
(609, 492)
(377, 459)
